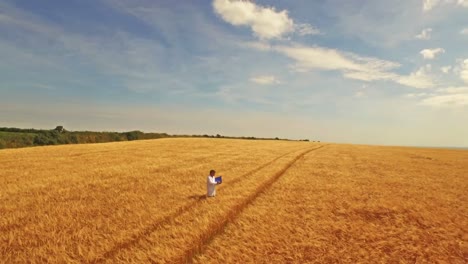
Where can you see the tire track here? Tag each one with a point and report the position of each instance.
(168, 219)
(238, 179)
(218, 227)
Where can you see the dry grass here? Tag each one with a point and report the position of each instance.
(280, 202)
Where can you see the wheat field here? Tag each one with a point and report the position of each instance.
(280, 202)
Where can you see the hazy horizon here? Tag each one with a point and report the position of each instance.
(377, 72)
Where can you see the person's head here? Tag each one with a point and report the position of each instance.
(212, 172)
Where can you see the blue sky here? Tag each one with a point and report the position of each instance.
(371, 72)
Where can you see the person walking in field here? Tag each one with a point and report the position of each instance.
(211, 184)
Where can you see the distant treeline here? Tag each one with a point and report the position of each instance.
(18, 137)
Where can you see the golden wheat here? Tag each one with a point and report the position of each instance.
(298, 202)
(84, 203)
(354, 204)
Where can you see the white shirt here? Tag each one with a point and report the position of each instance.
(211, 186)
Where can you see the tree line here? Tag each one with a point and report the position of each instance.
(19, 137)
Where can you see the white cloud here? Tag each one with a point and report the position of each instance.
(425, 34)
(446, 69)
(369, 75)
(351, 65)
(306, 29)
(456, 96)
(454, 90)
(431, 4)
(464, 70)
(416, 95)
(418, 79)
(265, 80)
(463, 3)
(262, 46)
(431, 53)
(464, 31)
(447, 100)
(318, 58)
(354, 66)
(361, 92)
(266, 23)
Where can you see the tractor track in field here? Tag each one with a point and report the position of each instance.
(238, 179)
(217, 228)
(132, 241)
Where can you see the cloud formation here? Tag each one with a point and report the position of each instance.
(265, 79)
(431, 4)
(425, 34)
(449, 97)
(464, 70)
(464, 31)
(463, 3)
(446, 100)
(265, 22)
(173, 54)
(351, 65)
(418, 79)
(306, 29)
(453, 90)
(430, 54)
(446, 69)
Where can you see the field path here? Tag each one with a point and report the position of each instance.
(280, 202)
(132, 241)
(201, 223)
(354, 204)
(218, 227)
(87, 203)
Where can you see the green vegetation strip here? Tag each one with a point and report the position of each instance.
(20, 138)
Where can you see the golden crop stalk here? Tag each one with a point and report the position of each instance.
(280, 201)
